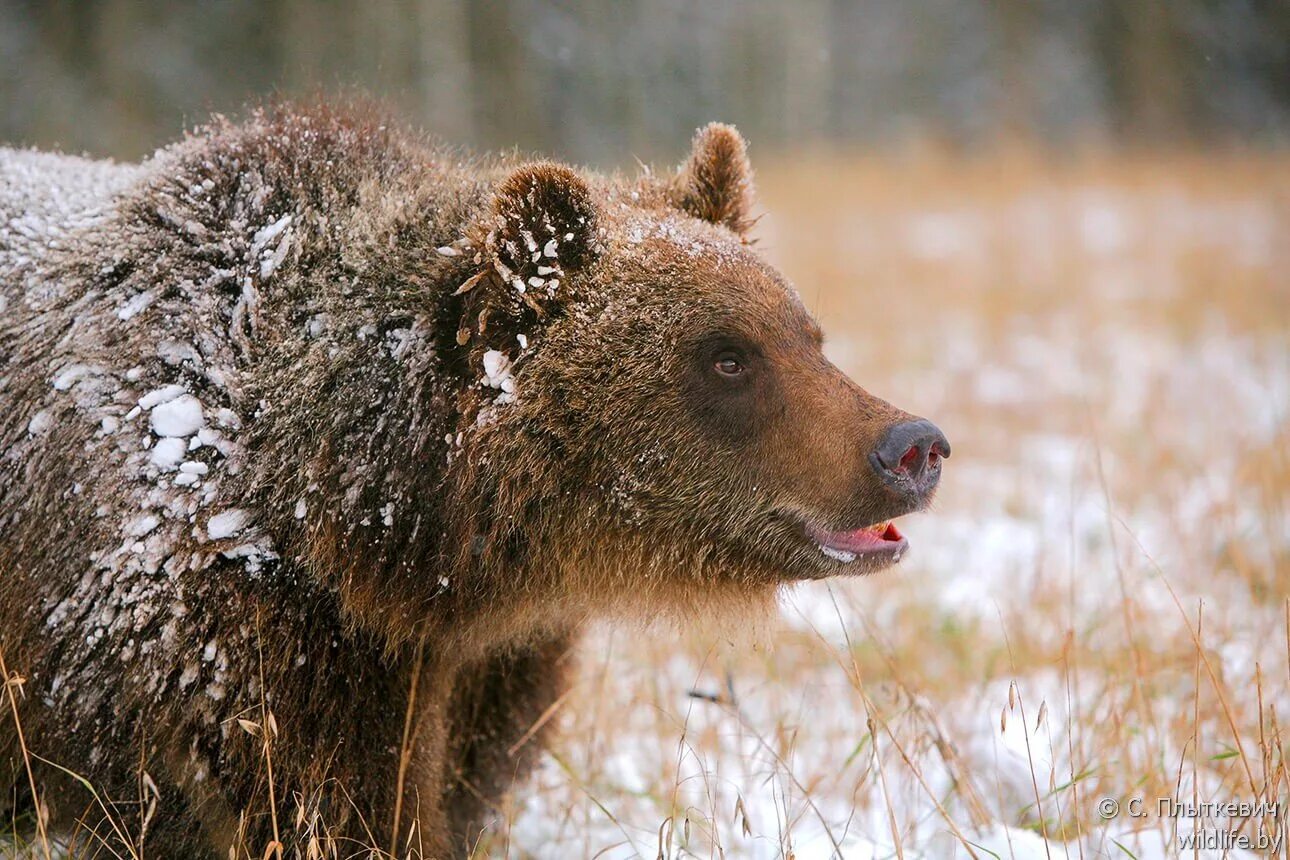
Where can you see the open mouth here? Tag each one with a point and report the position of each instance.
(881, 542)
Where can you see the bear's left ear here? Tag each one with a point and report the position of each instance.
(544, 225)
(717, 181)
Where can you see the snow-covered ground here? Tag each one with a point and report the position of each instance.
(1109, 354)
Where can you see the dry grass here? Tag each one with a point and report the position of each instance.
(1098, 607)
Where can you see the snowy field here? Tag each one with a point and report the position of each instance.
(1099, 604)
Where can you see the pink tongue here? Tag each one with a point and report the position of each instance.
(860, 539)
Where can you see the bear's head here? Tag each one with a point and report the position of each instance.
(652, 400)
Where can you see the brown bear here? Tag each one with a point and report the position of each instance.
(321, 443)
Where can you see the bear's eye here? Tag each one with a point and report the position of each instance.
(729, 365)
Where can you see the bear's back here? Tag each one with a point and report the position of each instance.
(45, 197)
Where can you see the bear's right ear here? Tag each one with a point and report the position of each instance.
(539, 227)
(544, 225)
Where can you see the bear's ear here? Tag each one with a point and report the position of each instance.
(544, 222)
(539, 227)
(717, 181)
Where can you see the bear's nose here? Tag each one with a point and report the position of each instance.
(912, 452)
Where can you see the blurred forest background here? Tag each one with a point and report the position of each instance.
(606, 82)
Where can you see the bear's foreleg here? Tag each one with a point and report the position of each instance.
(495, 735)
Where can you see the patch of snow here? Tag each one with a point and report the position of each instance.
(179, 417)
(136, 305)
(228, 418)
(40, 422)
(497, 374)
(68, 376)
(174, 352)
(267, 234)
(142, 525)
(167, 453)
(227, 524)
(161, 395)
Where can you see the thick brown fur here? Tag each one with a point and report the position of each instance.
(306, 417)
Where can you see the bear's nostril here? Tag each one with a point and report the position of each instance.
(911, 450)
(909, 458)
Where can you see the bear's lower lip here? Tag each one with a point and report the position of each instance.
(879, 542)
